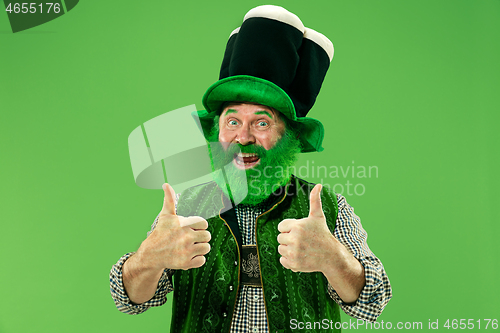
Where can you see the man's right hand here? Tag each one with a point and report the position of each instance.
(177, 242)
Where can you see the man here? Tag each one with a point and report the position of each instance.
(288, 251)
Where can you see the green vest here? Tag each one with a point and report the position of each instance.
(205, 297)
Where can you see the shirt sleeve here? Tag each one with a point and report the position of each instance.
(120, 297)
(377, 290)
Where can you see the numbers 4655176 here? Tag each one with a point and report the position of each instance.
(471, 324)
(32, 8)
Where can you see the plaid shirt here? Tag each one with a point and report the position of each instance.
(250, 313)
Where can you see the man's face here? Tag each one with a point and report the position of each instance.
(254, 152)
(250, 124)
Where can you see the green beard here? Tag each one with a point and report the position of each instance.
(253, 186)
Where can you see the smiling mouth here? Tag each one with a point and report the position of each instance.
(245, 161)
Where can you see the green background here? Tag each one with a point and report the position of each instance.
(413, 89)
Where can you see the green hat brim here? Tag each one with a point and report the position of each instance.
(245, 88)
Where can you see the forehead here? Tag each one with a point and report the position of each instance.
(249, 108)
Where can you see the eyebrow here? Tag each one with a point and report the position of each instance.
(231, 111)
(264, 112)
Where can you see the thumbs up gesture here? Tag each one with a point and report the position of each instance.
(306, 244)
(177, 242)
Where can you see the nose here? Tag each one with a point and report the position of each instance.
(245, 135)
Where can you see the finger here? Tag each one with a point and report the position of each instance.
(201, 236)
(286, 225)
(284, 262)
(282, 249)
(284, 239)
(197, 261)
(315, 207)
(168, 200)
(201, 248)
(194, 222)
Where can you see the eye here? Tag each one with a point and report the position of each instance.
(262, 123)
(232, 122)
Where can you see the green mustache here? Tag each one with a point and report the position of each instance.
(224, 153)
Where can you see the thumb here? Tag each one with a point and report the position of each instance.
(315, 207)
(168, 200)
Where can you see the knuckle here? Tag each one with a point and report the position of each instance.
(204, 249)
(280, 238)
(283, 262)
(203, 222)
(285, 241)
(186, 240)
(200, 262)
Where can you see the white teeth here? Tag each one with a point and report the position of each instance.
(240, 162)
(241, 155)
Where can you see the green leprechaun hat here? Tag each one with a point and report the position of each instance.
(273, 60)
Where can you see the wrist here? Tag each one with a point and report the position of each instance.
(145, 261)
(331, 263)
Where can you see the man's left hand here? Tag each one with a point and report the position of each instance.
(306, 244)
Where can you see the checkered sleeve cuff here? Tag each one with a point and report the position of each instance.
(120, 297)
(373, 297)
